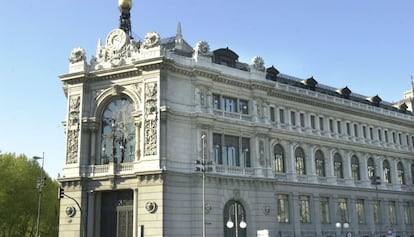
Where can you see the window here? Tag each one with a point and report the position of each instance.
(412, 173)
(400, 170)
(407, 213)
(229, 104)
(302, 119)
(360, 209)
(319, 163)
(348, 129)
(312, 121)
(300, 161)
(244, 106)
(399, 139)
(231, 150)
(293, 118)
(282, 115)
(377, 212)
(387, 172)
(386, 136)
(391, 213)
(394, 140)
(371, 133)
(355, 168)
(356, 130)
(282, 208)
(371, 169)
(338, 170)
(118, 132)
(324, 210)
(272, 114)
(379, 135)
(343, 210)
(216, 101)
(331, 125)
(338, 124)
(218, 159)
(321, 127)
(364, 131)
(279, 158)
(304, 209)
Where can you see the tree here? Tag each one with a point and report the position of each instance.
(19, 193)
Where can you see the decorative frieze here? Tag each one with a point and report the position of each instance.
(73, 130)
(151, 117)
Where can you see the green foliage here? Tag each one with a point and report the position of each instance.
(19, 196)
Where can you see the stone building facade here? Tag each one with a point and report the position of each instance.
(156, 128)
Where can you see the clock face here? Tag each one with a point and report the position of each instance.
(118, 132)
(116, 39)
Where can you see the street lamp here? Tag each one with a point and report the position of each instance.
(340, 226)
(40, 185)
(203, 166)
(237, 210)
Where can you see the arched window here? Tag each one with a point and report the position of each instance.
(387, 171)
(355, 168)
(279, 158)
(338, 167)
(319, 163)
(371, 168)
(400, 169)
(118, 132)
(300, 161)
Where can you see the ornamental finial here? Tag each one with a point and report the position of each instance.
(125, 18)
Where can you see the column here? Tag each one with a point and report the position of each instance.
(135, 214)
(310, 162)
(315, 215)
(296, 213)
(90, 214)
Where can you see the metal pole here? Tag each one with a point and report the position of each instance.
(236, 224)
(41, 183)
(203, 138)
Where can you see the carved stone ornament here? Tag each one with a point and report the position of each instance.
(202, 48)
(266, 210)
(258, 63)
(152, 39)
(150, 124)
(73, 130)
(151, 206)
(70, 211)
(77, 55)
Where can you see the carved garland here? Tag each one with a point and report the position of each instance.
(73, 130)
(150, 125)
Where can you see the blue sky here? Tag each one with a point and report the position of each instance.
(365, 45)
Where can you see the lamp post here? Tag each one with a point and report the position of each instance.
(203, 166)
(40, 185)
(237, 210)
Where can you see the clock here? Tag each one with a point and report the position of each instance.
(116, 39)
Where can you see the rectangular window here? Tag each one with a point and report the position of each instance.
(343, 210)
(371, 133)
(394, 140)
(246, 152)
(377, 212)
(360, 211)
(331, 125)
(324, 210)
(229, 104)
(217, 149)
(407, 213)
(399, 139)
(302, 119)
(391, 212)
(338, 125)
(312, 121)
(244, 106)
(364, 131)
(407, 139)
(272, 114)
(379, 134)
(282, 115)
(321, 127)
(216, 101)
(304, 209)
(355, 130)
(386, 136)
(231, 150)
(348, 129)
(282, 208)
(293, 118)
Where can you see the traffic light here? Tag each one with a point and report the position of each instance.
(61, 193)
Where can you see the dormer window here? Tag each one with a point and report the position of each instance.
(225, 56)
